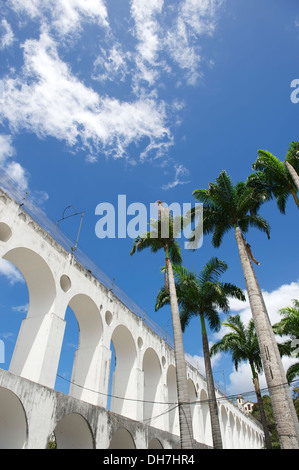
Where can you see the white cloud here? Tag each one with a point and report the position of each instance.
(6, 148)
(11, 273)
(147, 31)
(13, 169)
(180, 172)
(21, 308)
(275, 300)
(241, 380)
(49, 101)
(6, 34)
(200, 15)
(111, 64)
(194, 18)
(173, 29)
(64, 16)
(185, 54)
(15, 179)
(199, 363)
(18, 174)
(45, 97)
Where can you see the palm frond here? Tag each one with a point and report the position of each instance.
(292, 155)
(212, 270)
(257, 221)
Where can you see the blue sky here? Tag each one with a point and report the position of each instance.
(150, 100)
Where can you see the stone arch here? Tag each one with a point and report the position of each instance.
(205, 418)
(152, 389)
(231, 425)
(89, 320)
(13, 421)
(38, 277)
(124, 390)
(73, 432)
(223, 425)
(249, 438)
(194, 406)
(122, 439)
(155, 444)
(84, 382)
(173, 414)
(237, 433)
(242, 436)
(32, 357)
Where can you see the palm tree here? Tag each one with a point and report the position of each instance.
(227, 206)
(242, 343)
(292, 162)
(162, 236)
(201, 295)
(275, 178)
(289, 326)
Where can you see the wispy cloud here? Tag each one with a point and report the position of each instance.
(111, 64)
(180, 172)
(13, 169)
(46, 97)
(50, 101)
(194, 19)
(148, 33)
(6, 34)
(11, 273)
(64, 16)
(15, 173)
(21, 308)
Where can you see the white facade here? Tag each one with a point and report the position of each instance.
(246, 406)
(144, 384)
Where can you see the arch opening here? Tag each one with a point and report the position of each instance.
(155, 444)
(38, 277)
(193, 408)
(123, 388)
(73, 432)
(173, 415)
(152, 409)
(205, 418)
(86, 327)
(122, 439)
(30, 357)
(13, 422)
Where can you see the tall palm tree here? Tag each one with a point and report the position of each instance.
(242, 343)
(289, 326)
(162, 237)
(201, 295)
(227, 206)
(292, 162)
(275, 178)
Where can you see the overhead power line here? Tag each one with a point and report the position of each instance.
(192, 402)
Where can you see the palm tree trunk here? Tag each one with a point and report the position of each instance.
(276, 380)
(261, 407)
(186, 431)
(293, 174)
(293, 193)
(215, 425)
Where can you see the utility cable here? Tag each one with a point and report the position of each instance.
(194, 402)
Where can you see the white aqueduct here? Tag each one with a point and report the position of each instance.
(141, 415)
